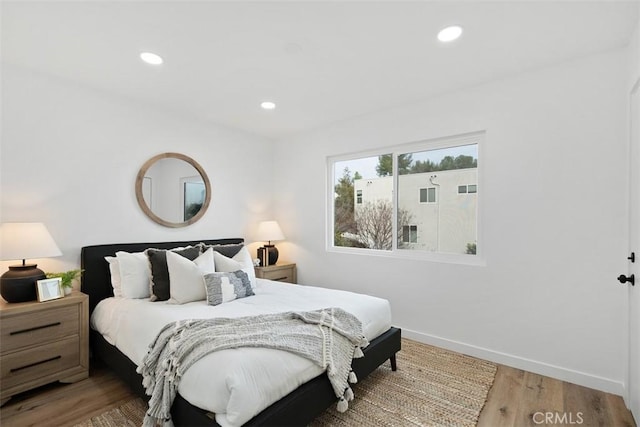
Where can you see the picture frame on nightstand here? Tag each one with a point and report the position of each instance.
(49, 289)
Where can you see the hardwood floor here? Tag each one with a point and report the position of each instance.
(520, 398)
(517, 398)
(60, 404)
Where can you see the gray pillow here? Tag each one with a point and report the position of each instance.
(225, 287)
(160, 288)
(229, 250)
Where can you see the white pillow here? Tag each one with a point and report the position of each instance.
(135, 274)
(187, 277)
(241, 261)
(114, 269)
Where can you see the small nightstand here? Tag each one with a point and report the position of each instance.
(43, 342)
(285, 272)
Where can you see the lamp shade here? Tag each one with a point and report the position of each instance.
(26, 240)
(269, 231)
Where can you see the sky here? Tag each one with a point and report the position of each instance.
(367, 166)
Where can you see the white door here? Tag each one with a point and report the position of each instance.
(634, 246)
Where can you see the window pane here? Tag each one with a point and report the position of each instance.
(431, 195)
(414, 234)
(363, 210)
(423, 195)
(446, 221)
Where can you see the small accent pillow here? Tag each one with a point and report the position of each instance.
(241, 261)
(160, 272)
(135, 274)
(186, 277)
(114, 270)
(225, 287)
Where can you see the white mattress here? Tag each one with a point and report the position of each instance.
(235, 384)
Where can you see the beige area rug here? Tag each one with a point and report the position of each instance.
(432, 387)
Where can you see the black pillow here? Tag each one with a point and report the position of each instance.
(229, 250)
(160, 289)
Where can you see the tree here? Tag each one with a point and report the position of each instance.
(344, 208)
(447, 163)
(374, 225)
(406, 165)
(465, 162)
(385, 164)
(471, 248)
(421, 166)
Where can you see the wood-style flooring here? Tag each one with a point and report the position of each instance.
(517, 398)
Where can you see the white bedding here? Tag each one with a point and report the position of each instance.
(235, 384)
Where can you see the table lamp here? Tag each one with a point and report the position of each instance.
(269, 231)
(23, 240)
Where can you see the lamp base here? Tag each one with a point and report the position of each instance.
(272, 256)
(19, 283)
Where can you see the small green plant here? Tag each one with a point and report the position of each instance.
(67, 277)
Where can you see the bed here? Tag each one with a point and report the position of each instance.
(298, 407)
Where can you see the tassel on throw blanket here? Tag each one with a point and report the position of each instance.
(331, 338)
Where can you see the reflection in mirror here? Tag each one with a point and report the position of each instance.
(173, 190)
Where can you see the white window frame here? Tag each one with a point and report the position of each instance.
(479, 258)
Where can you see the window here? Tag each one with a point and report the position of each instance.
(428, 195)
(467, 189)
(409, 233)
(381, 199)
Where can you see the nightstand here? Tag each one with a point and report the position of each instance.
(43, 342)
(285, 272)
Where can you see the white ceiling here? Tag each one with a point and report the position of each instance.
(320, 62)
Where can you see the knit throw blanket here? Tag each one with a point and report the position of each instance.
(330, 337)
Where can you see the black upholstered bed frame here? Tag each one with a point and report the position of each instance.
(296, 409)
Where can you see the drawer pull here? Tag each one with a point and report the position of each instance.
(280, 278)
(23, 331)
(36, 363)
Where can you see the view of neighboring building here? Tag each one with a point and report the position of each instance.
(437, 209)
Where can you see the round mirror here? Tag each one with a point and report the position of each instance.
(173, 190)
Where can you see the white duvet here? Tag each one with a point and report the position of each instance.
(235, 384)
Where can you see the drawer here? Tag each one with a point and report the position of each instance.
(282, 275)
(24, 330)
(31, 364)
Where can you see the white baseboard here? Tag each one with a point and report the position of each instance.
(564, 374)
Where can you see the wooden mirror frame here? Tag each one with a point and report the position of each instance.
(147, 210)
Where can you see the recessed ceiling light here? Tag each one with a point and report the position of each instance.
(268, 105)
(449, 34)
(151, 58)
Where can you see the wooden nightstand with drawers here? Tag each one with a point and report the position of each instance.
(285, 272)
(43, 342)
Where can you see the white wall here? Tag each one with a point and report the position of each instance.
(70, 156)
(554, 209)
